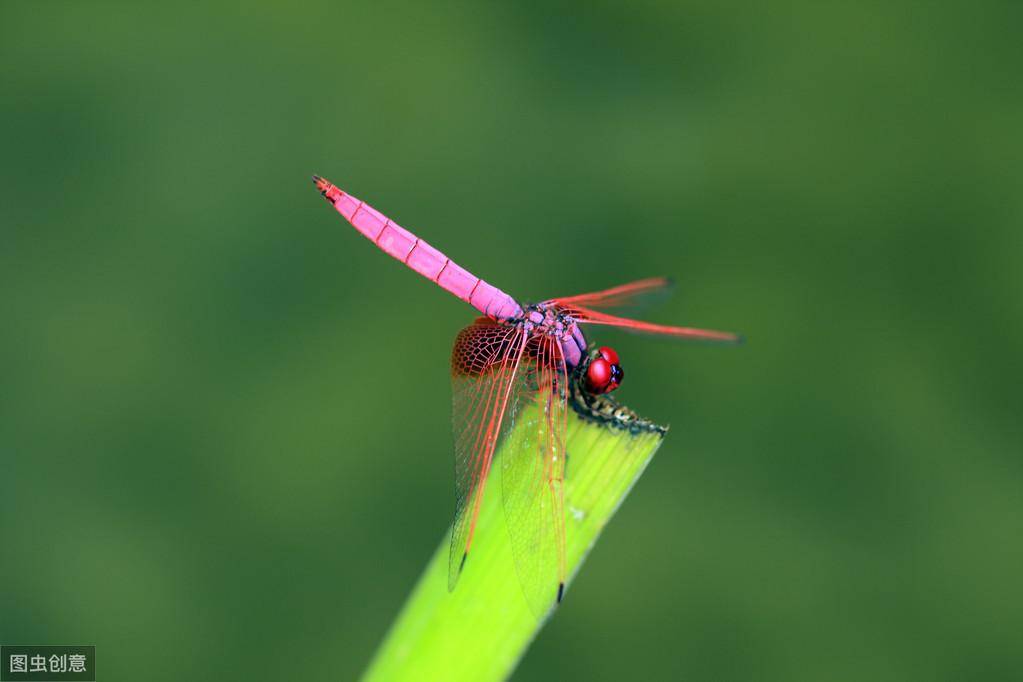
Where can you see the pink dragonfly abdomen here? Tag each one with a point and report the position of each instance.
(420, 256)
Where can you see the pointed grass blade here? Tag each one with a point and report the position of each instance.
(480, 630)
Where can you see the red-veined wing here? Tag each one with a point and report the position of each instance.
(588, 308)
(631, 295)
(533, 475)
(484, 383)
(588, 316)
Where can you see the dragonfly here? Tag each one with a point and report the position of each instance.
(512, 370)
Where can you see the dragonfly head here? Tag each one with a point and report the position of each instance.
(604, 373)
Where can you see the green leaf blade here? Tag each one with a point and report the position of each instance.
(480, 630)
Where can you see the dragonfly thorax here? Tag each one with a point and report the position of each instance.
(549, 320)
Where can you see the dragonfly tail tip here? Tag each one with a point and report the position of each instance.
(324, 187)
(465, 556)
(561, 591)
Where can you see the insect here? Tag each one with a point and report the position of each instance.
(514, 367)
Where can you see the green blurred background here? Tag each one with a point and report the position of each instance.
(224, 446)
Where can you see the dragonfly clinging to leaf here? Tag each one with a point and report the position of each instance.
(513, 367)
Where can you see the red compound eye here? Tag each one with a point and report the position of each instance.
(598, 375)
(608, 354)
(602, 376)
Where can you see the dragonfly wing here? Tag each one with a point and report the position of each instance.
(484, 366)
(533, 475)
(632, 295)
(589, 308)
(585, 315)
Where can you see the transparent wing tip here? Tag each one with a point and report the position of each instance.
(455, 572)
(708, 336)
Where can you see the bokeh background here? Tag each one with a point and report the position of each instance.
(224, 446)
